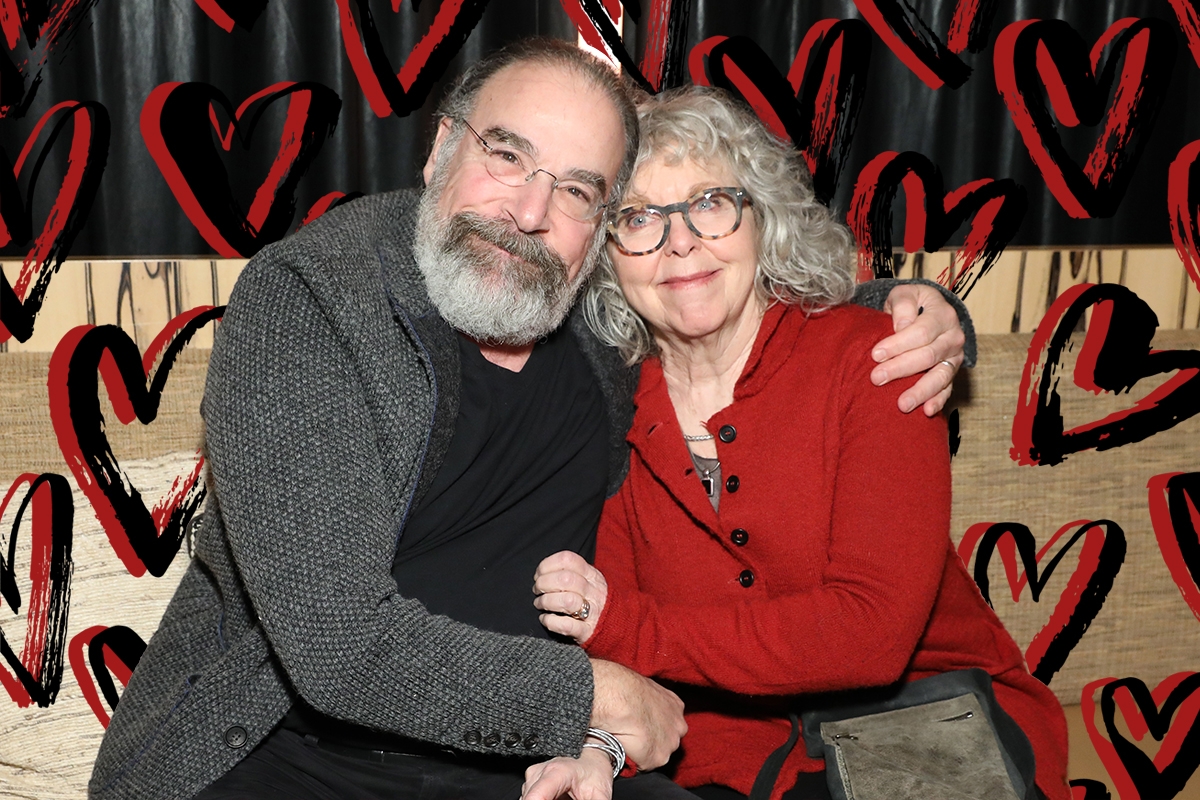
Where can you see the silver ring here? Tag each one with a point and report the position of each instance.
(583, 611)
(948, 364)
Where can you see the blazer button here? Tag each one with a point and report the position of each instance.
(472, 737)
(727, 433)
(739, 536)
(531, 742)
(492, 739)
(512, 740)
(732, 483)
(746, 578)
(235, 737)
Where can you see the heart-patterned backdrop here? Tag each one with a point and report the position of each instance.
(1040, 160)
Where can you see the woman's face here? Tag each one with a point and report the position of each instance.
(690, 287)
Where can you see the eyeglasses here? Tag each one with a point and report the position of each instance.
(710, 214)
(578, 199)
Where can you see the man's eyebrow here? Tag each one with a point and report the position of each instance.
(505, 136)
(593, 179)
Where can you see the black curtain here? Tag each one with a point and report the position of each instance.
(118, 51)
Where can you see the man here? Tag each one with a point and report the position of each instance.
(399, 428)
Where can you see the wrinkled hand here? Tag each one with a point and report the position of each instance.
(647, 718)
(927, 334)
(588, 777)
(565, 584)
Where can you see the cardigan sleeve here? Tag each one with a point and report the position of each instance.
(298, 477)
(859, 627)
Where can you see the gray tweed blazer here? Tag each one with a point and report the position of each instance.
(331, 398)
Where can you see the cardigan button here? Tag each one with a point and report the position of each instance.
(472, 737)
(236, 737)
(512, 740)
(492, 739)
(739, 536)
(746, 578)
(732, 483)
(531, 742)
(727, 433)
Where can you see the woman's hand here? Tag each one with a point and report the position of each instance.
(589, 777)
(571, 592)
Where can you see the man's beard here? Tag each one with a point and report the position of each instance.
(512, 295)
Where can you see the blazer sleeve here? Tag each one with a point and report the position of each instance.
(860, 626)
(299, 481)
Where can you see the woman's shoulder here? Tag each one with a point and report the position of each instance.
(849, 328)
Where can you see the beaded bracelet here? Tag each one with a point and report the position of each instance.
(610, 746)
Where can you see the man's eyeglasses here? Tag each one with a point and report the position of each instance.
(578, 199)
(710, 214)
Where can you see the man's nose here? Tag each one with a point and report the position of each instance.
(529, 204)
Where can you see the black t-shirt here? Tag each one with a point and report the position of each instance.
(524, 477)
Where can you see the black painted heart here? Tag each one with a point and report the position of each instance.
(35, 675)
(1115, 356)
(145, 539)
(98, 655)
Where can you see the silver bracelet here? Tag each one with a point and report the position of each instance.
(610, 746)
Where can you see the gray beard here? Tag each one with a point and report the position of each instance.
(513, 295)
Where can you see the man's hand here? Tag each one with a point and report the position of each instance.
(927, 339)
(647, 718)
(588, 777)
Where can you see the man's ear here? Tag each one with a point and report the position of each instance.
(443, 130)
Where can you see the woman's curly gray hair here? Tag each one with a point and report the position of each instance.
(805, 256)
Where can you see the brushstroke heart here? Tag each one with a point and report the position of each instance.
(1183, 203)
(1100, 553)
(36, 674)
(111, 652)
(144, 539)
(995, 206)
(227, 13)
(1088, 789)
(666, 29)
(1033, 57)
(1175, 514)
(920, 49)
(1188, 14)
(389, 91)
(46, 24)
(1116, 355)
(816, 106)
(1171, 714)
(177, 123)
(86, 157)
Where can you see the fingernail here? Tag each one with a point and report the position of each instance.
(879, 377)
(907, 405)
(879, 354)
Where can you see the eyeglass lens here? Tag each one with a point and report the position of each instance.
(712, 214)
(577, 199)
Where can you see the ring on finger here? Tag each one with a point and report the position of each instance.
(582, 613)
(949, 364)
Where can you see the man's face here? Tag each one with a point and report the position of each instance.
(493, 252)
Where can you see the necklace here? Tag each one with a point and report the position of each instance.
(705, 437)
(706, 475)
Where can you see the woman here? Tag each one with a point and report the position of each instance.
(765, 545)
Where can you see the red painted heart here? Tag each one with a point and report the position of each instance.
(995, 206)
(1033, 57)
(1088, 789)
(920, 49)
(110, 652)
(227, 13)
(665, 26)
(36, 675)
(177, 123)
(1189, 22)
(1100, 553)
(1116, 355)
(1171, 714)
(86, 157)
(144, 539)
(816, 106)
(400, 93)
(46, 24)
(1183, 202)
(1175, 514)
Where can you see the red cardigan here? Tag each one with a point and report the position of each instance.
(845, 576)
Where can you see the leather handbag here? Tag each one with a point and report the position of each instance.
(941, 737)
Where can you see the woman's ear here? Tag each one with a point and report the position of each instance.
(443, 130)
